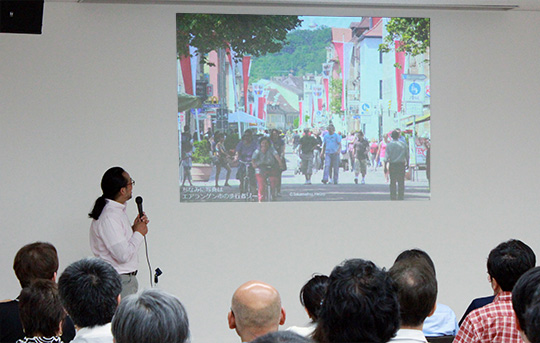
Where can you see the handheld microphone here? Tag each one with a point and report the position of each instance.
(138, 200)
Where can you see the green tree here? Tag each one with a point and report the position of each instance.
(413, 33)
(201, 152)
(253, 35)
(304, 53)
(336, 89)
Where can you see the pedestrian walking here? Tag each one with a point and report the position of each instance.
(306, 148)
(330, 151)
(397, 157)
(360, 150)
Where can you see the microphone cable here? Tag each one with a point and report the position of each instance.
(148, 262)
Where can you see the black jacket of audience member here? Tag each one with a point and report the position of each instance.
(11, 328)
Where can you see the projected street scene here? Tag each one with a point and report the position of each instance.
(303, 108)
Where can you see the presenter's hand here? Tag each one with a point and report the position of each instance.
(140, 225)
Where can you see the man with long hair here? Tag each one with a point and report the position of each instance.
(112, 237)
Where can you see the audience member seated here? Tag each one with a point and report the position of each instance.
(417, 295)
(34, 261)
(526, 302)
(150, 316)
(41, 312)
(496, 322)
(90, 290)
(443, 321)
(481, 302)
(360, 305)
(311, 297)
(282, 337)
(255, 310)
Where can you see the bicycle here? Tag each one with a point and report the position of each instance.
(246, 182)
(270, 193)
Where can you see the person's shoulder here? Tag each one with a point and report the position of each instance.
(480, 314)
(444, 307)
(9, 307)
(479, 302)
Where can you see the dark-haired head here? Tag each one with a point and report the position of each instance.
(526, 303)
(265, 139)
(417, 290)
(37, 260)
(414, 255)
(89, 289)
(508, 261)
(112, 182)
(360, 305)
(40, 309)
(218, 136)
(312, 295)
(395, 135)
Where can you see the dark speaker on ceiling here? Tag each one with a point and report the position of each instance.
(21, 16)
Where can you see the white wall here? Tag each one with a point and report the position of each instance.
(98, 88)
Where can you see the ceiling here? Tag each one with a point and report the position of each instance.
(481, 5)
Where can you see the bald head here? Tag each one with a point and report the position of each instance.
(256, 308)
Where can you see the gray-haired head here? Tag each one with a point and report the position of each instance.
(152, 316)
(282, 337)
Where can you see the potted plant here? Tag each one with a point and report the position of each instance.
(202, 161)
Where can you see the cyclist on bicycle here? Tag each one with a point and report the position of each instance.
(244, 152)
(267, 164)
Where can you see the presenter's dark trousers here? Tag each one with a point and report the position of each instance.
(397, 178)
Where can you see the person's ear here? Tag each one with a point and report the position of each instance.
(231, 320)
(54, 277)
(309, 314)
(282, 317)
(433, 310)
(495, 286)
(119, 298)
(60, 327)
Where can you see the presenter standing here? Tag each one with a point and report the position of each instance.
(112, 237)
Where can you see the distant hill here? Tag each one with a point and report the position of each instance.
(304, 54)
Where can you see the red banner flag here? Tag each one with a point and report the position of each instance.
(185, 66)
(300, 116)
(325, 83)
(260, 110)
(312, 110)
(344, 52)
(246, 66)
(400, 58)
